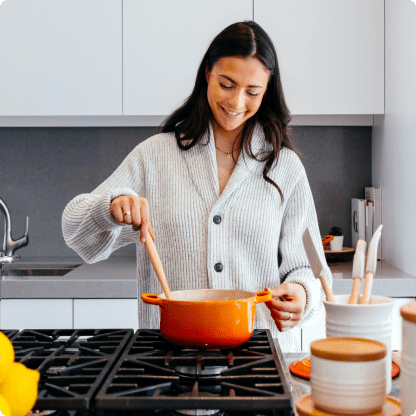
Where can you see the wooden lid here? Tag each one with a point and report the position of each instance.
(348, 349)
(305, 407)
(408, 312)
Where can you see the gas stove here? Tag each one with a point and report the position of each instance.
(106, 372)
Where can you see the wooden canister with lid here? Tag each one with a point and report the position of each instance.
(348, 375)
(408, 360)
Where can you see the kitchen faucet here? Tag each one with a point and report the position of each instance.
(9, 246)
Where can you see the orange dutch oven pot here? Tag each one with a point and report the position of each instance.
(208, 318)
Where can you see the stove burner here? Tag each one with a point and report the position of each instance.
(198, 412)
(198, 369)
(205, 372)
(54, 370)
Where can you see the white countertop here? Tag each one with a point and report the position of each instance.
(116, 278)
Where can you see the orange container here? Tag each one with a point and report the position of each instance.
(208, 318)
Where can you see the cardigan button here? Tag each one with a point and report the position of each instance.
(218, 267)
(216, 219)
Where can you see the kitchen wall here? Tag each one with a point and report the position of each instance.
(42, 169)
(393, 137)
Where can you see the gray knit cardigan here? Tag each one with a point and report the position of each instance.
(257, 230)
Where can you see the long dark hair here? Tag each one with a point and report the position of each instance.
(191, 121)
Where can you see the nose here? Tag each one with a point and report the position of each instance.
(237, 100)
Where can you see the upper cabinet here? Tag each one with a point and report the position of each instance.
(163, 45)
(139, 58)
(330, 53)
(60, 57)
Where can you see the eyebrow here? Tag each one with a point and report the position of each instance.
(231, 80)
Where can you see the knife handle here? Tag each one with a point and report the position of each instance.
(355, 291)
(327, 289)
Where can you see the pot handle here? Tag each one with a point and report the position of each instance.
(152, 299)
(263, 296)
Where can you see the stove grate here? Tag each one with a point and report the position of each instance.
(10, 333)
(151, 375)
(73, 363)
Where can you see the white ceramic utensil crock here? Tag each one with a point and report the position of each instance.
(408, 360)
(372, 321)
(348, 376)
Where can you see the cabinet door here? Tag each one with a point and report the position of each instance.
(36, 314)
(163, 45)
(106, 313)
(397, 323)
(61, 57)
(314, 332)
(330, 53)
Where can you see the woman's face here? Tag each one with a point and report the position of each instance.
(236, 85)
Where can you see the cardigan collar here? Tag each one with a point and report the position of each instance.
(201, 160)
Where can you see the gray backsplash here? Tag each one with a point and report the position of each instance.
(42, 169)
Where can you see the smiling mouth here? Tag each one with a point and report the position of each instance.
(230, 113)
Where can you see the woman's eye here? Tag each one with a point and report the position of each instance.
(229, 87)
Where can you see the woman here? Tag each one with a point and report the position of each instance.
(222, 189)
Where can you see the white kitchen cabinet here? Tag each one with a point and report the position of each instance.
(296, 343)
(318, 331)
(61, 58)
(163, 45)
(36, 314)
(313, 333)
(330, 53)
(105, 313)
(397, 322)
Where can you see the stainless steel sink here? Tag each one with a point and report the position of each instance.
(40, 270)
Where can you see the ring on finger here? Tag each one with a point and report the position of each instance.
(127, 213)
(290, 317)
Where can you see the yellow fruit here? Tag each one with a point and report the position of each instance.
(20, 389)
(4, 407)
(6, 356)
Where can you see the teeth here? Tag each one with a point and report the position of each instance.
(229, 112)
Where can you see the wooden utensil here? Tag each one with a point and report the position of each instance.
(358, 270)
(370, 269)
(157, 265)
(316, 264)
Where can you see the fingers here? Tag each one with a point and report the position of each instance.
(285, 290)
(134, 211)
(285, 315)
(287, 306)
(285, 320)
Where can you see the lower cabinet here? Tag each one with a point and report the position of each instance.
(36, 314)
(106, 313)
(312, 333)
(68, 313)
(318, 331)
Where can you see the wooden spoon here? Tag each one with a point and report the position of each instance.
(157, 265)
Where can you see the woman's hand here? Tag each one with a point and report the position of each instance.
(133, 210)
(288, 298)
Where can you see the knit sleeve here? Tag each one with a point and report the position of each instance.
(88, 226)
(300, 213)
